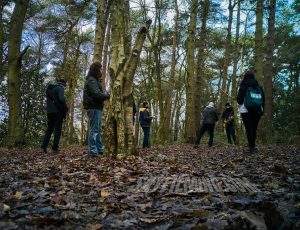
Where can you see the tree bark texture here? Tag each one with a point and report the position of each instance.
(190, 126)
(122, 71)
(157, 47)
(114, 130)
(122, 114)
(234, 71)
(224, 73)
(118, 31)
(269, 71)
(165, 129)
(258, 49)
(199, 75)
(101, 21)
(15, 129)
(106, 54)
(1, 42)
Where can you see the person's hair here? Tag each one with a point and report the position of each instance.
(62, 82)
(211, 104)
(145, 103)
(95, 70)
(248, 75)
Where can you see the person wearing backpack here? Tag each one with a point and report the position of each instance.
(93, 102)
(251, 99)
(228, 121)
(145, 122)
(56, 112)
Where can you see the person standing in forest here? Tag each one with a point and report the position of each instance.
(145, 122)
(210, 117)
(251, 100)
(56, 112)
(228, 121)
(93, 102)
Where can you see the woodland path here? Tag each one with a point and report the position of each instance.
(173, 187)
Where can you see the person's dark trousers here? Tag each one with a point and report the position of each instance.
(55, 121)
(146, 137)
(210, 129)
(250, 121)
(230, 132)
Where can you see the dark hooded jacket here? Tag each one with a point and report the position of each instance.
(56, 102)
(227, 115)
(249, 82)
(93, 95)
(144, 118)
(210, 115)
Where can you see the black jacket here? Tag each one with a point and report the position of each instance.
(56, 102)
(210, 115)
(227, 115)
(251, 82)
(93, 95)
(145, 119)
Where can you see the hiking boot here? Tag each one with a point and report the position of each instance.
(93, 154)
(43, 151)
(55, 151)
(253, 149)
(196, 146)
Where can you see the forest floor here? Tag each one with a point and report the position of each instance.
(173, 187)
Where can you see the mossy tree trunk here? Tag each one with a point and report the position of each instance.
(190, 125)
(164, 128)
(15, 128)
(2, 39)
(224, 73)
(119, 135)
(234, 71)
(269, 73)
(101, 23)
(199, 75)
(258, 49)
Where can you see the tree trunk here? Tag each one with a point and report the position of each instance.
(122, 88)
(157, 47)
(297, 95)
(224, 74)
(15, 129)
(82, 125)
(190, 126)
(105, 54)
(64, 72)
(72, 84)
(136, 128)
(1, 42)
(234, 72)
(164, 129)
(114, 130)
(199, 76)
(258, 49)
(269, 72)
(101, 21)
(122, 70)
(177, 114)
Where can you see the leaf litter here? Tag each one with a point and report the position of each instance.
(173, 187)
